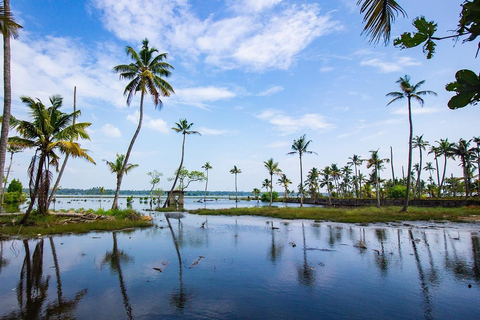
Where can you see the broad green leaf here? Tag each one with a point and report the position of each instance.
(425, 32)
(461, 100)
(467, 88)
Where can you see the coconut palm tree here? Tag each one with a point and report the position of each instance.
(236, 171)
(207, 167)
(9, 29)
(377, 163)
(146, 73)
(463, 150)
(272, 168)
(444, 148)
(379, 16)
(256, 192)
(284, 182)
(429, 167)
(300, 146)
(326, 182)
(119, 167)
(409, 91)
(421, 144)
(312, 182)
(355, 160)
(183, 127)
(102, 192)
(50, 131)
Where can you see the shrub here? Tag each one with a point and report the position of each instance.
(397, 192)
(15, 186)
(266, 196)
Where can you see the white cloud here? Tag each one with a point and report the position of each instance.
(278, 145)
(200, 96)
(289, 124)
(326, 69)
(404, 111)
(111, 131)
(247, 40)
(214, 132)
(394, 65)
(148, 122)
(271, 91)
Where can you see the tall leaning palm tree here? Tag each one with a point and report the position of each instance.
(146, 73)
(9, 29)
(207, 167)
(49, 131)
(272, 168)
(409, 92)
(183, 127)
(300, 146)
(235, 170)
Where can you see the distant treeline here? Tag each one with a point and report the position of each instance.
(96, 191)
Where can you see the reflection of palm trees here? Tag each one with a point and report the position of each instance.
(423, 282)
(62, 308)
(433, 276)
(381, 258)
(306, 274)
(114, 259)
(275, 250)
(32, 287)
(179, 299)
(3, 262)
(458, 266)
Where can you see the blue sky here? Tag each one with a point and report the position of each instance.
(252, 75)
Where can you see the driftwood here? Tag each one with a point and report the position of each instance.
(196, 262)
(75, 217)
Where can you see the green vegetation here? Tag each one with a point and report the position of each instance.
(352, 215)
(58, 224)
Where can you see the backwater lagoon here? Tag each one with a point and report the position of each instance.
(215, 267)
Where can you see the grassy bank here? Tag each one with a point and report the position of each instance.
(353, 215)
(58, 224)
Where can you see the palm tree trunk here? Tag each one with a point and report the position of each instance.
(167, 201)
(466, 180)
(64, 164)
(409, 172)
(236, 191)
(130, 147)
(418, 187)
(438, 177)
(34, 192)
(206, 185)
(7, 100)
(377, 186)
(391, 165)
(444, 172)
(301, 180)
(6, 178)
(271, 189)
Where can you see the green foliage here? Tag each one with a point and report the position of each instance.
(129, 199)
(15, 186)
(467, 88)
(425, 31)
(266, 196)
(397, 192)
(13, 197)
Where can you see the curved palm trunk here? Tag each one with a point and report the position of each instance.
(6, 178)
(122, 171)
(236, 190)
(206, 185)
(7, 100)
(438, 177)
(34, 191)
(271, 189)
(301, 180)
(377, 186)
(391, 165)
(443, 175)
(409, 172)
(167, 201)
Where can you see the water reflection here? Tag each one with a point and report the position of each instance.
(254, 268)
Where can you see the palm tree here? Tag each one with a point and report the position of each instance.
(119, 167)
(50, 130)
(145, 74)
(183, 127)
(12, 149)
(444, 148)
(256, 192)
(465, 153)
(477, 156)
(429, 167)
(419, 143)
(102, 192)
(377, 165)
(379, 16)
(355, 161)
(300, 146)
(312, 182)
(409, 91)
(235, 171)
(9, 28)
(272, 168)
(284, 182)
(335, 173)
(326, 182)
(207, 167)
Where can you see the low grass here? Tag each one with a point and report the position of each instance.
(55, 224)
(353, 215)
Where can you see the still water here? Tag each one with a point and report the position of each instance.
(242, 268)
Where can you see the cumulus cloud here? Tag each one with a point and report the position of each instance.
(271, 91)
(111, 131)
(247, 39)
(287, 124)
(393, 65)
(201, 96)
(148, 122)
(214, 132)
